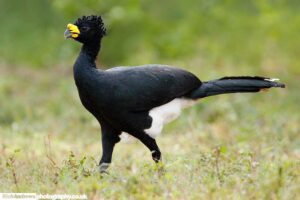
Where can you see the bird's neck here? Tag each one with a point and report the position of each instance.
(86, 61)
(90, 50)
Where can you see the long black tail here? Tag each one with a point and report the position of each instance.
(234, 85)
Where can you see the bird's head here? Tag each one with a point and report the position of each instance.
(86, 29)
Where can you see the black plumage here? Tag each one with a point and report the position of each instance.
(122, 98)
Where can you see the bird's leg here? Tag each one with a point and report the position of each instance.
(151, 144)
(155, 152)
(105, 161)
(109, 139)
(156, 155)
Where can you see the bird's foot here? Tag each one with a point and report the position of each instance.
(103, 168)
(160, 169)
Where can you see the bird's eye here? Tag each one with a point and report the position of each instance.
(84, 28)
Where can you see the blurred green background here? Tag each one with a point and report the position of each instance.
(254, 33)
(211, 38)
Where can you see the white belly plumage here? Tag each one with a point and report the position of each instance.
(165, 114)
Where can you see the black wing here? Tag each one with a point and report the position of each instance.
(145, 87)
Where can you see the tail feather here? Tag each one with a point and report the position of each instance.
(235, 84)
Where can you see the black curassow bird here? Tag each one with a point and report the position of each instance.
(140, 100)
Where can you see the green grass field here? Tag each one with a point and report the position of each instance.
(241, 146)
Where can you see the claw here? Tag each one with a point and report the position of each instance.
(103, 168)
(160, 169)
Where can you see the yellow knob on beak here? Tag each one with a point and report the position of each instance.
(72, 31)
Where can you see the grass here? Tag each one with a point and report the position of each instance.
(241, 146)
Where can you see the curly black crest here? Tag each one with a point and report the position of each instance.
(92, 19)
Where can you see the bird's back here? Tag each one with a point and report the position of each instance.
(145, 87)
